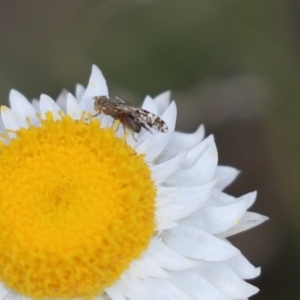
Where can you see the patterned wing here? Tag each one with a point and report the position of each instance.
(148, 120)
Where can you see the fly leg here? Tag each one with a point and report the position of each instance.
(130, 123)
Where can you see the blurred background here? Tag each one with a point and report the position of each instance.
(232, 65)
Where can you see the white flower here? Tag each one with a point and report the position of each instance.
(89, 212)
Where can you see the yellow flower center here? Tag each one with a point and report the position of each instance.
(76, 207)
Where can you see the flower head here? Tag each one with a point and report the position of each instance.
(89, 209)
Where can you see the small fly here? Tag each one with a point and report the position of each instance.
(134, 118)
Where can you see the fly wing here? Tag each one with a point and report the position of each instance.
(117, 101)
(120, 105)
(148, 120)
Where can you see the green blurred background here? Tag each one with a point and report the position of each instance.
(231, 64)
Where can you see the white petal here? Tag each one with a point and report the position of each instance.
(48, 104)
(227, 281)
(145, 267)
(194, 284)
(2, 128)
(164, 290)
(162, 102)
(161, 201)
(96, 87)
(133, 288)
(164, 191)
(167, 258)
(225, 175)
(87, 104)
(187, 140)
(159, 140)
(249, 220)
(21, 106)
(201, 172)
(11, 120)
(150, 105)
(142, 147)
(73, 109)
(220, 198)
(198, 193)
(107, 121)
(14, 296)
(215, 219)
(130, 136)
(161, 171)
(195, 152)
(5, 139)
(3, 291)
(194, 243)
(182, 207)
(164, 223)
(62, 100)
(114, 292)
(181, 141)
(240, 265)
(79, 91)
(165, 195)
(36, 105)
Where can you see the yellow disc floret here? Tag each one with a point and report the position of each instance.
(76, 207)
